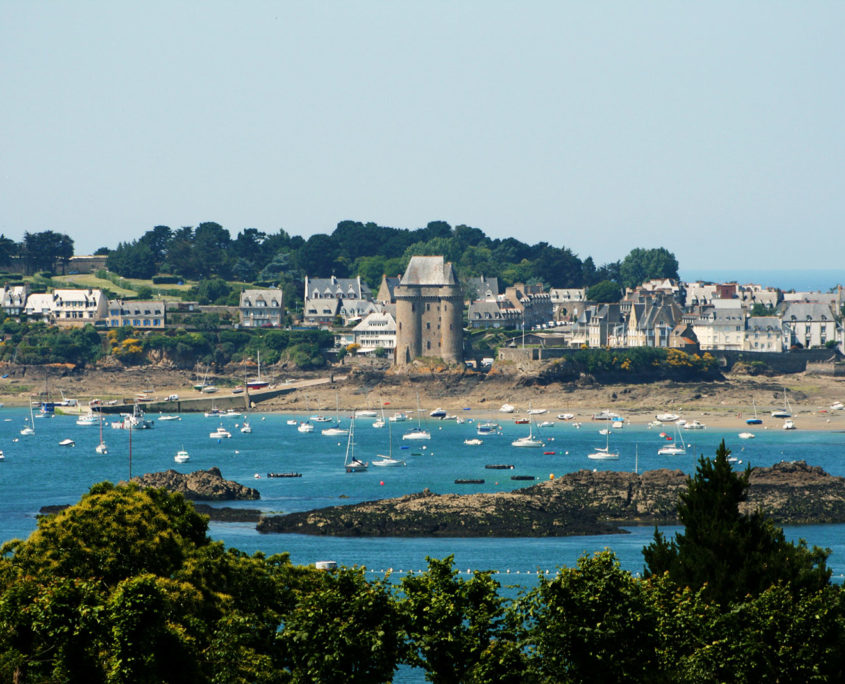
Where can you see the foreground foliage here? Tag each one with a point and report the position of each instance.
(126, 586)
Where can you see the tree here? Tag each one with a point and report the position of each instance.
(593, 623)
(644, 264)
(135, 260)
(125, 586)
(43, 251)
(8, 249)
(606, 291)
(458, 629)
(344, 630)
(729, 553)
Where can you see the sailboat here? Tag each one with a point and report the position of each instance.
(350, 463)
(388, 461)
(29, 429)
(755, 420)
(380, 422)
(417, 432)
(246, 428)
(529, 440)
(786, 411)
(257, 382)
(335, 430)
(101, 448)
(674, 448)
(604, 453)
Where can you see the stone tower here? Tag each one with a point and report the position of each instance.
(429, 312)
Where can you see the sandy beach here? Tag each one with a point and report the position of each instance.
(723, 404)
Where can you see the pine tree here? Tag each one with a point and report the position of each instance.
(732, 553)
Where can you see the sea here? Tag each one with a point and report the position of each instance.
(36, 471)
(800, 280)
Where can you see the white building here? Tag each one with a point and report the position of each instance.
(68, 307)
(14, 299)
(810, 324)
(376, 330)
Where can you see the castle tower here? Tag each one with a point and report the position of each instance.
(429, 312)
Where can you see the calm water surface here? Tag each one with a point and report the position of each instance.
(37, 472)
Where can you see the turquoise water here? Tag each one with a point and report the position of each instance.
(37, 472)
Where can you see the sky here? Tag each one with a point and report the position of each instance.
(711, 129)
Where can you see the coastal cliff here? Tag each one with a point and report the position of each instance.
(583, 502)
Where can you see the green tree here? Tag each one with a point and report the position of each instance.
(593, 623)
(344, 630)
(458, 630)
(644, 264)
(43, 251)
(606, 291)
(125, 586)
(729, 553)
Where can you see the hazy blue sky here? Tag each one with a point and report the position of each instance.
(712, 129)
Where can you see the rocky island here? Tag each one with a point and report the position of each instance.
(583, 502)
(200, 485)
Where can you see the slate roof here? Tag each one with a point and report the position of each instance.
(429, 270)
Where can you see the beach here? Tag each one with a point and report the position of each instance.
(724, 404)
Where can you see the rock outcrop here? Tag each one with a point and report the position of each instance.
(583, 502)
(200, 485)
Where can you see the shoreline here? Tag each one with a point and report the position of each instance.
(723, 404)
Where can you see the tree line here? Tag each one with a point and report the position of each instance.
(126, 586)
(42, 251)
(369, 250)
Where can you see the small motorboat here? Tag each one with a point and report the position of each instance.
(693, 425)
(565, 416)
(506, 408)
(181, 456)
(746, 435)
(473, 442)
(788, 425)
(67, 443)
(170, 417)
(438, 413)
(220, 433)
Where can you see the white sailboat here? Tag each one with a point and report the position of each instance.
(101, 448)
(380, 422)
(529, 440)
(417, 432)
(786, 411)
(604, 453)
(29, 429)
(246, 428)
(388, 461)
(350, 463)
(674, 448)
(335, 430)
